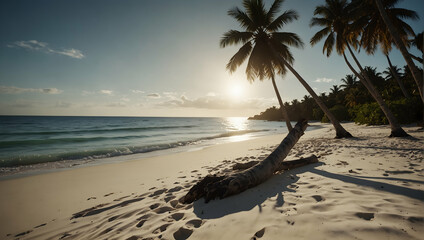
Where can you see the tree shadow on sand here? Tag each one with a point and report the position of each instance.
(247, 200)
(280, 184)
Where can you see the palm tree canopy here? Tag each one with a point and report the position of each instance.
(349, 81)
(335, 17)
(260, 39)
(389, 74)
(375, 31)
(418, 42)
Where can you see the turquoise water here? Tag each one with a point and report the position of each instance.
(28, 140)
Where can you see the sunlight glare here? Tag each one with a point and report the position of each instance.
(235, 91)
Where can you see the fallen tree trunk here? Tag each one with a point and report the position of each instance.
(212, 187)
(282, 166)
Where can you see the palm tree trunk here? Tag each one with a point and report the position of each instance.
(396, 76)
(416, 58)
(340, 131)
(418, 77)
(282, 107)
(212, 187)
(396, 129)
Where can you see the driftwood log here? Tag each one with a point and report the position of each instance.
(212, 187)
(282, 166)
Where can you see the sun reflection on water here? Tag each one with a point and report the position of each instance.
(238, 125)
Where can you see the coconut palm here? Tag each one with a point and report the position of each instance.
(255, 39)
(267, 49)
(394, 32)
(349, 81)
(335, 17)
(375, 31)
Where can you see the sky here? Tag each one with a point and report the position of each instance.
(149, 58)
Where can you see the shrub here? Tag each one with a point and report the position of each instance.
(340, 112)
(404, 110)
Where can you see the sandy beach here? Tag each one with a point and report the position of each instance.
(368, 187)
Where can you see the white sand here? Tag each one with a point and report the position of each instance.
(370, 187)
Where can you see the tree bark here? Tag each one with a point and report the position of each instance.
(395, 75)
(282, 166)
(416, 58)
(212, 187)
(282, 107)
(418, 77)
(396, 129)
(340, 131)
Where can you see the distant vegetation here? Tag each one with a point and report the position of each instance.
(352, 102)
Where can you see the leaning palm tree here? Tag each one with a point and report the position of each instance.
(375, 31)
(261, 63)
(335, 17)
(416, 73)
(267, 48)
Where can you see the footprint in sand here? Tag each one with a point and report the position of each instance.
(141, 223)
(318, 198)
(259, 234)
(177, 216)
(158, 192)
(153, 206)
(169, 198)
(365, 216)
(163, 210)
(182, 233)
(161, 228)
(196, 223)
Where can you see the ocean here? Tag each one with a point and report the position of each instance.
(29, 140)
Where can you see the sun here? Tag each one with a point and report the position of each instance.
(235, 91)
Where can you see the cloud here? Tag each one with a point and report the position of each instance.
(125, 99)
(137, 91)
(324, 80)
(73, 53)
(153, 95)
(107, 92)
(16, 90)
(35, 45)
(211, 94)
(217, 102)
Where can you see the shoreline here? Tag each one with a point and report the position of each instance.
(64, 165)
(145, 190)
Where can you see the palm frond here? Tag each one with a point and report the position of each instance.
(242, 18)
(319, 35)
(323, 22)
(329, 44)
(287, 17)
(233, 37)
(275, 7)
(239, 57)
(255, 9)
(291, 39)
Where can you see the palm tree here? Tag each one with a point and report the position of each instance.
(336, 16)
(261, 64)
(393, 72)
(268, 49)
(416, 73)
(349, 81)
(335, 90)
(375, 31)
